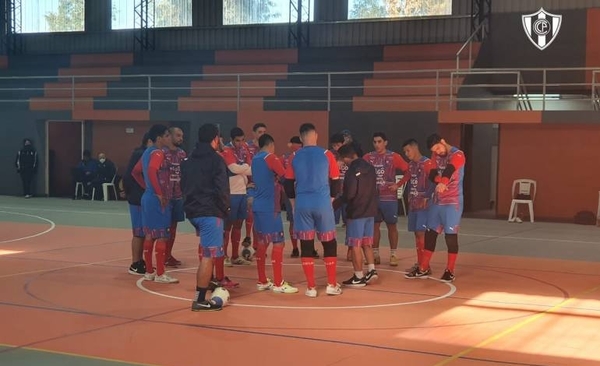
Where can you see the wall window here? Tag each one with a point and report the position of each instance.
(161, 13)
(238, 12)
(370, 9)
(41, 16)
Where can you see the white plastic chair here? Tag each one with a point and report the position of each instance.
(526, 187)
(77, 186)
(401, 193)
(105, 187)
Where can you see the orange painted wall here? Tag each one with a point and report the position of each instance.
(563, 158)
(111, 139)
(283, 125)
(451, 133)
(592, 46)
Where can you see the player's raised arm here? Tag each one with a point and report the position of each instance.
(275, 164)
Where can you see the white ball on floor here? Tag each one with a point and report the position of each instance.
(221, 296)
(247, 252)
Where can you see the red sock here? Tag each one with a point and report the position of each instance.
(255, 240)
(249, 223)
(308, 266)
(260, 263)
(427, 254)
(451, 261)
(277, 262)
(330, 267)
(420, 249)
(219, 268)
(161, 252)
(148, 253)
(236, 236)
(171, 241)
(226, 235)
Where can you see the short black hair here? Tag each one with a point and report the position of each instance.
(265, 140)
(380, 134)
(337, 138)
(145, 140)
(433, 139)
(207, 133)
(156, 131)
(412, 142)
(296, 140)
(236, 132)
(258, 125)
(306, 128)
(347, 151)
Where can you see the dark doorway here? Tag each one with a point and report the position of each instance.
(64, 153)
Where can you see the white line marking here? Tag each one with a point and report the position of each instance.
(52, 226)
(67, 211)
(452, 290)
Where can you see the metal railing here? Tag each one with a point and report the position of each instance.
(469, 43)
(372, 90)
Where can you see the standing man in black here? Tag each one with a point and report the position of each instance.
(26, 164)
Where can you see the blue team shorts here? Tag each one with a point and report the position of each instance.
(137, 226)
(417, 220)
(359, 232)
(388, 212)
(239, 207)
(178, 214)
(307, 221)
(210, 230)
(444, 218)
(268, 227)
(156, 220)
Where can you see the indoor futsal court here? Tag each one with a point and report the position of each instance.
(525, 294)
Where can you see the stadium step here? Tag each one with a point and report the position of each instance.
(222, 104)
(256, 57)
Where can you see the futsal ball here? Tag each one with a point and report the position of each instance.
(247, 251)
(221, 296)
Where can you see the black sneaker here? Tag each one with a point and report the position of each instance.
(355, 282)
(213, 284)
(206, 305)
(247, 242)
(448, 276)
(295, 253)
(415, 266)
(137, 268)
(371, 276)
(417, 273)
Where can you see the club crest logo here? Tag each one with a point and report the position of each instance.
(541, 28)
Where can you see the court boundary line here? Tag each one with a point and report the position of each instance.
(514, 327)
(452, 291)
(52, 227)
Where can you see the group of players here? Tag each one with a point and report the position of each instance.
(221, 186)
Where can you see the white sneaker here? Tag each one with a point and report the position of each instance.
(149, 276)
(285, 288)
(165, 278)
(311, 292)
(227, 262)
(264, 286)
(334, 289)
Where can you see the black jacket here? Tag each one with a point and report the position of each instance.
(133, 190)
(27, 159)
(360, 192)
(205, 184)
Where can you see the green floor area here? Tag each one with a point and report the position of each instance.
(27, 357)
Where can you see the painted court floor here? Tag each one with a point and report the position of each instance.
(525, 294)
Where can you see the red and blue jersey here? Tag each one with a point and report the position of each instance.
(386, 165)
(252, 148)
(454, 194)
(312, 167)
(420, 188)
(266, 171)
(242, 154)
(152, 173)
(173, 158)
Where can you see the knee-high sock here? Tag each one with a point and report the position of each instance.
(249, 223)
(236, 237)
(294, 241)
(161, 250)
(260, 263)
(226, 235)
(171, 242)
(307, 248)
(148, 254)
(420, 243)
(330, 267)
(277, 262)
(219, 268)
(452, 244)
(430, 241)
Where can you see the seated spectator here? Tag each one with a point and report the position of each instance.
(85, 172)
(105, 173)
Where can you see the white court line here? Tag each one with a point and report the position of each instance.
(52, 226)
(508, 237)
(450, 292)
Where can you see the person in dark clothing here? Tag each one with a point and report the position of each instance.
(205, 187)
(105, 174)
(360, 195)
(85, 172)
(26, 164)
(133, 193)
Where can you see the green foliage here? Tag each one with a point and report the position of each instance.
(369, 9)
(70, 16)
(248, 11)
